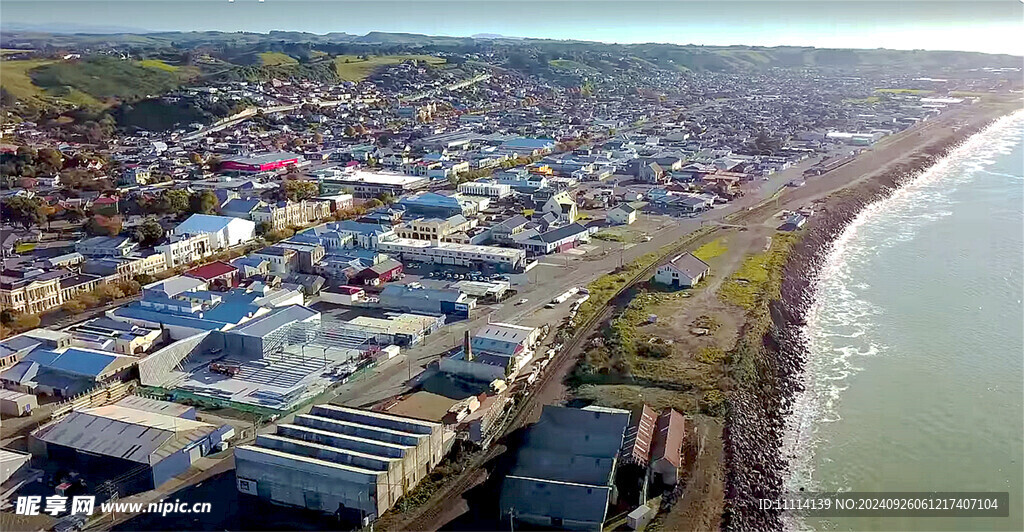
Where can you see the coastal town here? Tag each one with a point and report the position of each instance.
(338, 300)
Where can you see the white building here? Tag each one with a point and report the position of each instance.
(486, 189)
(224, 231)
(504, 259)
(683, 271)
(185, 249)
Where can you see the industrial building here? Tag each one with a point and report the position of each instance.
(364, 184)
(469, 255)
(339, 460)
(135, 444)
(564, 473)
(416, 298)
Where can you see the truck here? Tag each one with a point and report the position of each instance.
(565, 295)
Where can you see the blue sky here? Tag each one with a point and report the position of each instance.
(986, 26)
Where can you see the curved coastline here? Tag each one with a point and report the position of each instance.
(761, 435)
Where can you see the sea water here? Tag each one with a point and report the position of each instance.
(915, 371)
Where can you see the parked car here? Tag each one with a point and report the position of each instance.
(522, 301)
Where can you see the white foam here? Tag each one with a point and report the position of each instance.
(840, 319)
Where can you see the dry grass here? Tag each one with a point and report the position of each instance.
(351, 68)
(748, 284)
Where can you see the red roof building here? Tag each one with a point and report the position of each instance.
(667, 448)
(219, 274)
(261, 163)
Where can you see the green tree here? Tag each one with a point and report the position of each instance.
(204, 202)
(174, 201)
(74, 215)
(50, 160)
(24, 211)
(27, 321)
(298, 190)
(263, 228)
(148, 232)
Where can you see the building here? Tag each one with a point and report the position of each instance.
(105, 334)
(66, 372)
(31, 291)
(683, 271)
(504, 231)
(138, 449)
(16, 404)
(14, 348)
(651, 173)
(565, 471)
(469, 255)
(380, 273)
(180, 250)
(416, 298)
(555, 240)
(623, 214)
(486, 189)
(291, 213)
(134, 174)
(523, 146)
(217, 274)
(260, 163)
(282, 260)
(667, 447)
(364, 184)
(124, 268)
(341, 461)
(433, 229)
(106, 246)
(563, 206)
(224, 231)
(440, 205)
(241, 208)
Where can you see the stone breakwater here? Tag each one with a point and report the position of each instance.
(758, 411)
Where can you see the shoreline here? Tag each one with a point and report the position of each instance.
(757, 423)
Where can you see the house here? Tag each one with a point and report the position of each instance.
(416, 298)
(555, 240)
(503, 231)
(217, 274)
(683, 271)
(563, 206)
(564, 474)
(381, 273)
(291, 213)
(134, 174)
(179, 250)
(623, 214)
(651, 173)
(667, 446)
(241, 208)
(224, 231)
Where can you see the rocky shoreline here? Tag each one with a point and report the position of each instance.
(756, 422)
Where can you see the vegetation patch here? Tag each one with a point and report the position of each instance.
(105, 77)
(15, 79)
(903, 91)
(359, 67)
(609, 236)
(276, 58)
(870, 100)
(158, 64)
(711, 250)
(748, 286)
(629, 396)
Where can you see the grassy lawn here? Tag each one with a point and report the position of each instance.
(711, 250)
(629, 396)
(351, 68)
(747, 286)
(904, 91)
(276, 58)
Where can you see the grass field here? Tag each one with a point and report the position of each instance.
(351, 68)
(156, 63)
(568, 64)
(276, 58)
(711, 250)
(748, 284)
(869, 100)
(904, 91)
(14, 79)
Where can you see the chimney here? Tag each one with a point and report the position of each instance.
(467, 348)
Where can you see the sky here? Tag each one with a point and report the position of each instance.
(984, 26)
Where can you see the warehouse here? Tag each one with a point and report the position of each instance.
(339, 460)
(473, 256)
(15, 404)
(142, 448)
(363, 184)
(415, 298)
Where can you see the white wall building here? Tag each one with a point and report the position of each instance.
(224, 231)
(486, 189)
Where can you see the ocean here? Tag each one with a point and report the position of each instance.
(915, 370)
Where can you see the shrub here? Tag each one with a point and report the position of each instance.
(27, 321)
(710, 355)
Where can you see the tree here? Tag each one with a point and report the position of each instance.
(108, 292)
(73, 306)
(298, 190)
(204, 202)
(7, 316)
(148, 232)
(24, 211)
(195, 158)
(100, 225)
(174, 201)
(386, 197)
(50, 160)
(374, 203)
(74, 215)
(27, 321)
(144, 279)
(263, 228)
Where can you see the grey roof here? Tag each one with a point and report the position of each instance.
(274, 320)
(516, 221)
(690, 265)
(241, 205)
(124, 433)
(175, 285)
(562, 232)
